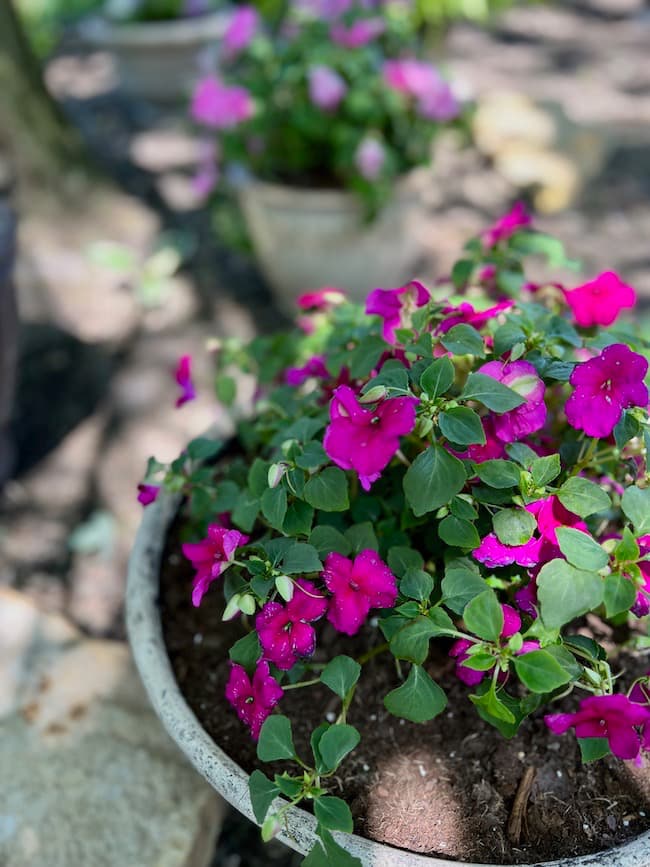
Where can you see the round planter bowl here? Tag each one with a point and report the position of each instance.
(159, 59)
(231, 781)
(306, 239)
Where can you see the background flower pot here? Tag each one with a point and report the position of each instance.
(8, 332)
(306, 239)
(159, 59)
(145, 633)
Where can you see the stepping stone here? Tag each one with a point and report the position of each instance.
(89, 776)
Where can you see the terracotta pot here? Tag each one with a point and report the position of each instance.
(306, 239)
(158, 59)
(225, 775)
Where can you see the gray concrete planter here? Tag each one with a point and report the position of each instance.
(305, 239)
(159, 59)
(145, 633)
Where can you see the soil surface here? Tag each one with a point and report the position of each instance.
(445, 788)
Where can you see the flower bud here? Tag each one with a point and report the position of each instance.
(423, 426)
(377, 392)
(232, 608)
(284, 586)
(247, 604)
(270, 827)
(276, 472)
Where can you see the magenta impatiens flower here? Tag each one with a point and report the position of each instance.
(240, 30)
(422, 81)
(357, 586)
(511, 625)
(506, 226)
(493, 553)
(641, 606)
(321, 299)
(614, 717)
(358, 34)
(211, 556)
(600, 301)
(184, 379)
(255, 698)
(314, 367)
(147, 493)
(465, 313)
(326, 87)
(365, 440)
(551, 514)
(604, 387)
(285, 631)
(370, 157)
(528, 418)
(220, 106)
(396, 306)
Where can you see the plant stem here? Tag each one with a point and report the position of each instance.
(301, 684)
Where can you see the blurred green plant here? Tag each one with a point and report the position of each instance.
(440, 13)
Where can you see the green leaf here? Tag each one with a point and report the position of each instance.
(506, 336)
(592, 749)
(262, 794)
(464, 340)
(301, 557)
(246, 651)
(313, 456)
(542, 244)
(419, 699)
(540, 672)
(336, 743)
(627, 428)
(337, 856)
(401, 559)
(246, 511)
(226, 390)
(544, 470)
(619, 595)
(438, 377)
(328, 490)
(565, 592)
(583, 497)
(514, 526)
(416, 584)
(340, 675)
(636, 506)
(483, 616)
(411, 642)
(627, 550)
(499, 473)
(393, 374)
(495, 710)
(458, 532)
(299, 518)
(276, 740)
(365, 357)
(289, 786)
(491, 393)
(203, 448)
(314, 741)
(333, 813)
(433, 479)
(462, 425)
(461, 272)
(362, 537)
(462, 582)
(581, 550)
(460, 508)
(274, 506)
(522, 454)
(327, 539)
(258, 477)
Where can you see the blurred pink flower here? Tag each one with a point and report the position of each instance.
(184, 379)
(422, 81)
(506, 226)
(147, 494)
(357, 34)
(395, 306)
(240, 30)
(314, 367)
(220, 106)
(321, 299)
(326, 87)
(600, 301)
(370, 157)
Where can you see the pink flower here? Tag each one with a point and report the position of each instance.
(492, 449)
(240, 30)
(370, 157)
(184, 380)
(253, 699)
(422, 82)
(465, 313)
(604, 387)
(314, 367)
(285, 632)
(365, 440)
(326, 87)
(321, 299)
(601, 300)
(614, 717)
(551, 514)
(147, 494)
(506, 226)
(528, 418)
(396, 306)
(526, 598)
(494, 553)
(641, 605)
(358, 34)
(220, 106)
(207, 174)
(357, 586)
(511, 625)
(211, 556)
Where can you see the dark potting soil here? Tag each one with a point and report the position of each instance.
(452, 787)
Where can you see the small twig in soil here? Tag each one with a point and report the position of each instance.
(519, 806)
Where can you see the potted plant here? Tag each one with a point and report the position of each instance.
(330, 113)
(436, 511)
(157, 44)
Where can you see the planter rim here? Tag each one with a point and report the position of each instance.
(226, 776)
(105, 33)
(322, 198)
